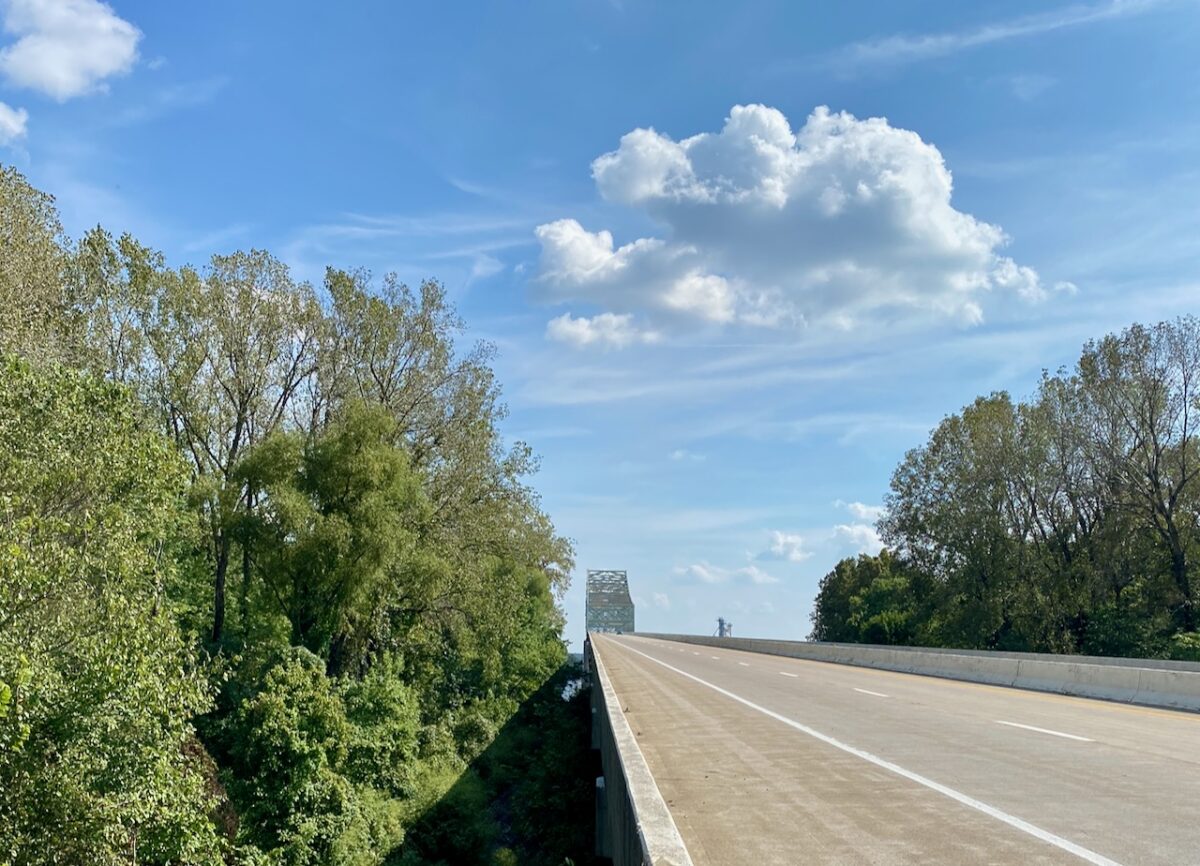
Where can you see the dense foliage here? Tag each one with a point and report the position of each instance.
(1067, 523)
(270, 582)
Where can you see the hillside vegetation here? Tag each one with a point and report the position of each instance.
(1066, 523)
(271, 584)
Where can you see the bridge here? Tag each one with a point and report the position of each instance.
(734, 751)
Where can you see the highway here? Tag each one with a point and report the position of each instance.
(770, 760)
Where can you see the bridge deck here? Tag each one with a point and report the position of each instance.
(770, 760)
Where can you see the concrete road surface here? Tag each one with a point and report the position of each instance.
(770, 760)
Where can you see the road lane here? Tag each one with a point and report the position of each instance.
(746, 787)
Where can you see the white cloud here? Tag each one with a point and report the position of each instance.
(753, 574)
(170, 98)
(12, 123)
(661, 601)
(700, 572)
(486, 266)
(906, 48)
(606, 331)
(682, 455)
(66, 48)
(1029, 87)
(707, 573)
(786, 545)
(861, 510)
(861, 536)
(840, 222)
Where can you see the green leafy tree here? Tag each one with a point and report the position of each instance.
(36, 307)
(872, 599)
(337, 530)
(291, 749)
(96, 750)
(1070, 522)
(400, 583)
(229, 351)
(1143, 391)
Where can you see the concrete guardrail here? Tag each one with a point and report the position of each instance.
(1172, 684)
(633, 824)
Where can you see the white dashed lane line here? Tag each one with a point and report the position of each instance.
(1046, 731)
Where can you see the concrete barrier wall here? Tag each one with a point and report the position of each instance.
(1141, 681)
(633, 825)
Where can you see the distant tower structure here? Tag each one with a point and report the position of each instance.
(609, 607)
(724, 627)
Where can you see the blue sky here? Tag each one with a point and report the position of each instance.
(736, 258)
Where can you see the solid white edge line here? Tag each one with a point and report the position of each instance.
(869, 692)
(786, 674)
(1046, 731)
(966, 800)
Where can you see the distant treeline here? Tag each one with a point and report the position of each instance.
(1069, 523)
(270, 581)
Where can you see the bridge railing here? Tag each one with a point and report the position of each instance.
(1152, 682)
(633, 824)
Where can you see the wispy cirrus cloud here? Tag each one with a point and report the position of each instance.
(460, 247)
(171, 98)
(907, 48)
(706, 573)
(217, 240)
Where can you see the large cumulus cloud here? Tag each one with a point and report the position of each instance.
(837, 223)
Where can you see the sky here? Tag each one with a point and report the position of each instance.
(736, 259)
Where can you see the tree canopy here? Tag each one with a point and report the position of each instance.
(1066, 523)
(271, 578)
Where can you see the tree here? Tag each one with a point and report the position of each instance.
(954, 512)
(337, 531)
(230, 350)
(1072, 521)
(115, 285)
(394, 348)
(97, 756)
(290, 746)
(1143, 389)
(399, 580)
(871, 599)
(36, 317)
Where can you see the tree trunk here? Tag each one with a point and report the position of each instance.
(244, 589)
(219, 586)
(1179, 571)
(336, 664)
